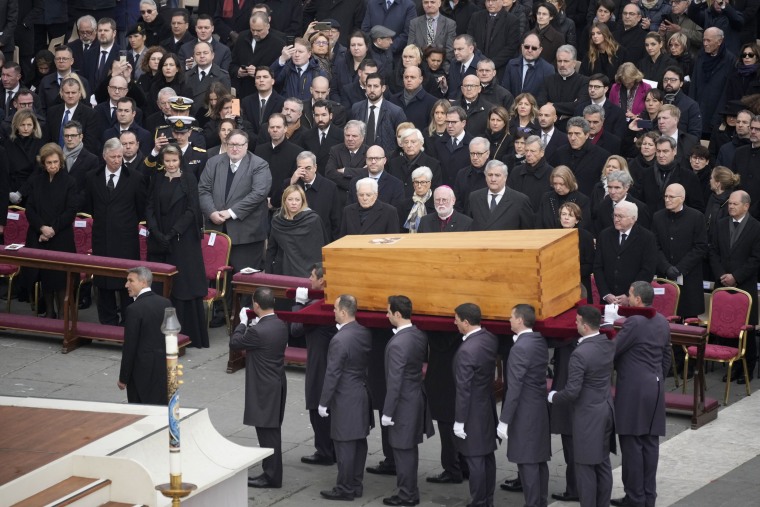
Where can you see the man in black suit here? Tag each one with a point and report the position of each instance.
(115, 197)
(412, 157)
(106, 111)
(668, 123)
(524, 415)
(624, 253)
(230, 23)
(254, 48)
(631, 34)
(445, 218)
(320, 91)
(317, 343)
(588, 392)
(79, 161)
(251, 105)
(491, 90)
(143, 357)
(466, 58)
(584, 158)
(476, 107)
(551, 136)
(324, 135)
(619, 184)
(24, 99)
(690, 120)
(321, 193)
(348, 159)
(614, 116)
(204, 74)
(642, 361)
(98, 61)
(345, 395)
(11, 80)
(133, 156)
(451, 150)
(472, 177)
(180, 26)
(381, 116)
(71, 109)
(204, 29)
(475, 412)
(390, 188)
(266, 387)
(532, 176)
(668, 170)
(735, 260)
(280, 154)
(49, 89)
(85, 48)
(495, 33)
(594, 115)
(126, 112)
(565, 89)
(369, 215)
(405, 412)
(499, 208)
(413, 98)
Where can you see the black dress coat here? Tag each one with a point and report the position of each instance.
(401, 167)
(616, 267)
(681, 240)
(451, 159)
(532, 181)
(586, 164)
(116, 217)
(457, 223)
(513, 212)
(652, 190)
(21, 155)
(143, 356)
(53, 203)
(295, 245)
(85, 163)
(322, 196)
(381, 218)
(547, 216)
(603, 217)
(311, 142)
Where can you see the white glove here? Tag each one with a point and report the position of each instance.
(386, 421)
(244, 316)
(15, 197)
(501, 430)
(551, 395)
(459, 430)
(322, 411)
(302, 295)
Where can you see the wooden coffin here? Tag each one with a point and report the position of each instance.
(495, 270)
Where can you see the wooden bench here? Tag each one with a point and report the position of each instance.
(74, 333)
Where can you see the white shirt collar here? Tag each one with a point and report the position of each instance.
(515, 337)
(587, 336)
(142, 291)
(475, 330)
(402, 327)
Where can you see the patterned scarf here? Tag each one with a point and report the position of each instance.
(417, 212)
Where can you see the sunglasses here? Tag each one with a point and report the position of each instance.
(147, 11)
(531, 48)
(748, 55)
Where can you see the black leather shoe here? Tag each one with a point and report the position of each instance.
(217, 321)
(444, 478)
(621, 502)
(261, 482)
(317, 459)
(564, 497)
(334, 494)
(382, 468)
(85, 303)
(514, 485)
(396, 500)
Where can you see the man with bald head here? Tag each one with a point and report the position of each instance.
(735, 260)
(528, 72)
(476, 107)
(625, 253)
(106, 111)
(320, 91)
(707, 86)
(547, 120)
(445, 218)
(390, 188)
(413, 99)
(681, 238)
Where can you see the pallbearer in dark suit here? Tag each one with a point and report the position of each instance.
(405, 411)
(529, 443)
(265, 384)
(588, 391)
(475, 412)
(346, 395)
(642, 360)
(317, 342)
(445, 219)
(143, 358)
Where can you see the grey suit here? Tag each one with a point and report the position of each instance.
(642, 359)
(529, 443)
(406, 404)
(475, 406)
(445, 31)
(247, 199)
(345, 394)
(265, 385)
(588, 390)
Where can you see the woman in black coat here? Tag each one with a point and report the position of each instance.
(21, 149)
(420, 203)
(175, 223)
(51, 207)
(170, 74)
(149, 66)
(565, 190)
(296, 238)
(570, 217)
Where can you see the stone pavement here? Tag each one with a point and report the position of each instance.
(715, 465)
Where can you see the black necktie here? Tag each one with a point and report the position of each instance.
(102, 64)
(111, 185)
(307, 186)
(86, 47)
(261, 111)
(371, 125)
(324, 135)
(203, 74)
(454, 142)
(623, 237)
(464, 70)
(8, 102)
(493, 202)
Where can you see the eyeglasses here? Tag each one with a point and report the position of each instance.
(477, 153)
(619, 217)
(86, 32)
(118, 88)
(71, 136)
(236, 145)
(530, 48)
(671, 197)
(671, 79)
(748, 55)
(321, 43)
(374, 159)
(421, 183)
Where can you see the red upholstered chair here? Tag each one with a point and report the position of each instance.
(142, 230)
(15, 232)
(83, 242)
(216, 247)
(666, 305)
(729, 315)
(595, 297)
